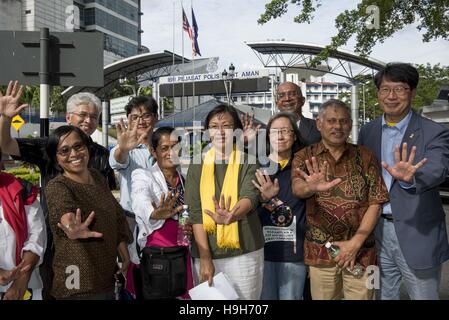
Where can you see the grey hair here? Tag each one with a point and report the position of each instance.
(333, 103)
(83, 98)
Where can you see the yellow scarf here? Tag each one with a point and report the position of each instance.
(227, 235)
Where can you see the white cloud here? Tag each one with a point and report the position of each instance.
(224, 25)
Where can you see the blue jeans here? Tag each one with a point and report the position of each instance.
(420, 284)
(283, 280)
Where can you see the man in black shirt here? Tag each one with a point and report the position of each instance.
(83, 111)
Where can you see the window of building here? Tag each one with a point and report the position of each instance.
(243, 98)
(27, 11)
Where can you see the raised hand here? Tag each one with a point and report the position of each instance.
(9, 103)
(404, 170)
(166, 208)
(75, 229)
(249, 132)
(267, 188)
(223, 213)
(317, 179)
(127, 137)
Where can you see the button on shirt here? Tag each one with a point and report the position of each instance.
(391, 137)
(139, 157)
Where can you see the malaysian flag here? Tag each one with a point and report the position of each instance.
(196, 48)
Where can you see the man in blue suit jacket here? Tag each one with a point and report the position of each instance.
(411, 235)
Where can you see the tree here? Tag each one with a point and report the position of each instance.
(431, 78)
(371, 22)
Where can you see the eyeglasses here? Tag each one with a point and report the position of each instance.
(85, 115)
(224, 127)
(341, 122)
(281, 131)
(145, 116)
(67, 150)
(399, 91)
(289, 94)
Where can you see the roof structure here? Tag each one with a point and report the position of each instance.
(286, 54)
(146, 66)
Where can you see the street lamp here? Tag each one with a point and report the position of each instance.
(227, 80)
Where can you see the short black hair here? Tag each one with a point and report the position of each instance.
(398, 72)
(299, 143)
(147, 102)
(156, 136)
(224, 108)
(55, 138)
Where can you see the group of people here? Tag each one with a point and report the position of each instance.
(267, 229)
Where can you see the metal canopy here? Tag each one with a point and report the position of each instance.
(148, 65)
(286, 54)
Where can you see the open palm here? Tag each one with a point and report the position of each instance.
(317, 179)
(404, 170)
(249, 131)
(71, 224)
(127, 137)
(268, 189)
(223, 213)
(9, 103)
(166, 208)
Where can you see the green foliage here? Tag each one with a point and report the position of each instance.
(430, 17)
(26, 174)
(432, 77)
(430, 81)
(31, 96)
(126, 89)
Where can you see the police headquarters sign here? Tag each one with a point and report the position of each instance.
(240, 75)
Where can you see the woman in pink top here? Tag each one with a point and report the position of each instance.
(158, 195)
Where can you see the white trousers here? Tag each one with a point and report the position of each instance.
(245, 273)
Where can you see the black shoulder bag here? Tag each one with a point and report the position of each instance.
(164, 272)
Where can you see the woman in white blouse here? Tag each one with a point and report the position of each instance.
(22, 239)
(158, 195)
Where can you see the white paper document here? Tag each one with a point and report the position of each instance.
(220, 290)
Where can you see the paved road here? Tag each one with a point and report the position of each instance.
(444, 286)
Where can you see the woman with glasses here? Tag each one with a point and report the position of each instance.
(281, 213)
(88, 224)
(133, 152)
(222, 201)
(158, 197)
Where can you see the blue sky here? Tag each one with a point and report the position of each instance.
(226, 24)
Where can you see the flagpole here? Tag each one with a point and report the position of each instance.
(183, 71)
(173, 60)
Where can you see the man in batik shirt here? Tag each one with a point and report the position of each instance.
(344, 192)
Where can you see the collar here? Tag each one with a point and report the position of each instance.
(321, 148)
(401, 125)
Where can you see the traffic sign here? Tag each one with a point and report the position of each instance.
(17, 122)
